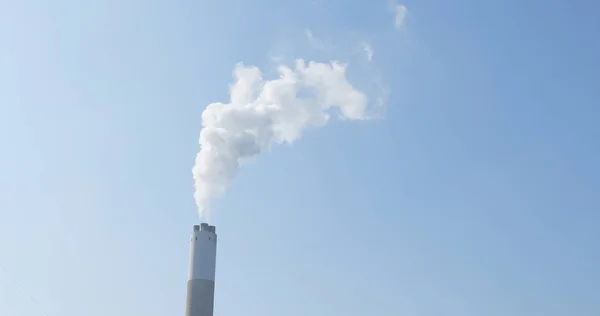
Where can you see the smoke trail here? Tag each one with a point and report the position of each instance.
(266, 112)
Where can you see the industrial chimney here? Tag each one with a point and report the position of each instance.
(201, 282)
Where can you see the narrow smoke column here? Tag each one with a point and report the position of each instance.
(201, 283)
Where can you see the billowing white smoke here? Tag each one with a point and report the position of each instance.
(266, 112)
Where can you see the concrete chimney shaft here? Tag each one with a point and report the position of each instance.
(201, 281)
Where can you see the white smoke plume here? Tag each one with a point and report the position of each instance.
(369, 52)
(262, 112)
(400, 15)
(400, 12)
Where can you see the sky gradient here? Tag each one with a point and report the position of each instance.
(473, 196)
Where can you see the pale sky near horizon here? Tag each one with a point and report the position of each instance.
(474, 195)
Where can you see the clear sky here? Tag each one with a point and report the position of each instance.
(474, 196)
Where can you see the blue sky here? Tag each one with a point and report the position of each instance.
(474, 196)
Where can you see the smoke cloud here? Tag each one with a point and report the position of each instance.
(262, 112)
(369, 52)
(400, 15)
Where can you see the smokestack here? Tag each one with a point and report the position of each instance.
(201, 282)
